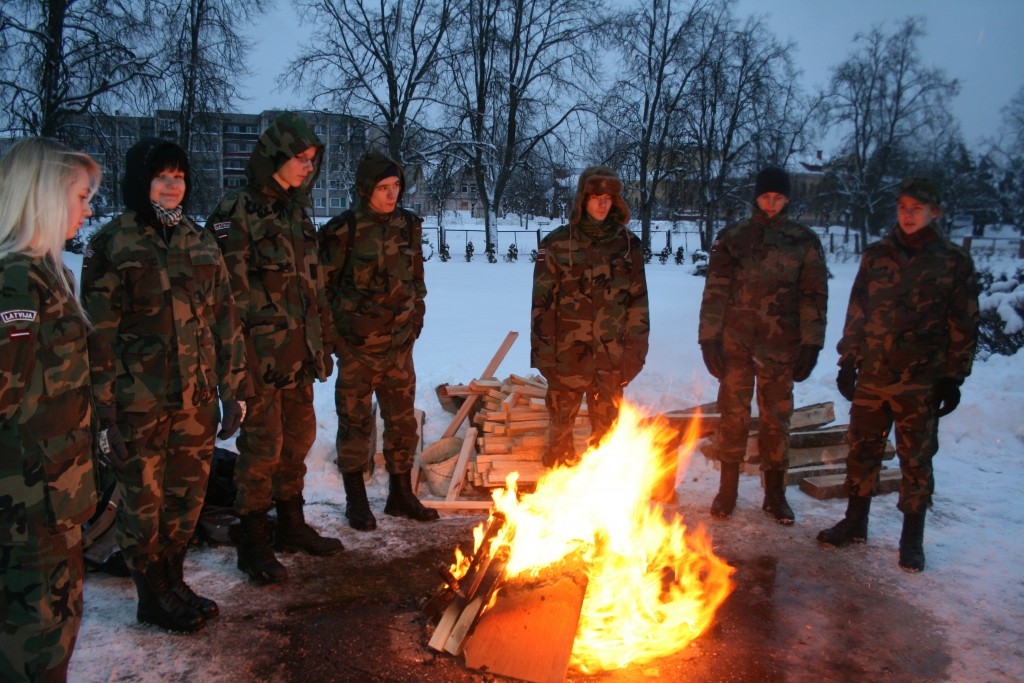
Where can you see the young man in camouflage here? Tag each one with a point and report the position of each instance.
(269, 245)
(47, 484)
(590, 321)
(762, 318)
(907, 346)
(374, 270)
(165, 347)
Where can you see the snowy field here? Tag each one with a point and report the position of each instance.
(972, 589)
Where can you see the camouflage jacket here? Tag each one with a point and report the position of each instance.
(46, 475)
(913, 314)
(373, 266)
(166, 334)
(766, 289)
(270, 248)
(589, 308)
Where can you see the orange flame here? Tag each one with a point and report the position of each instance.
(652, 587)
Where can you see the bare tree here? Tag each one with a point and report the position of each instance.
(663, 46)
(378, 60)
(888, 104)
(519, 72)
(1005, 161)
(202, 55)
(744, 111)
(63, 58)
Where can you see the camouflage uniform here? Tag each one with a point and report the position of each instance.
(590, 320)
(912, 320)
(47, 488)
(373, 266)
(269, 245)
(766, 296)
(166, 345)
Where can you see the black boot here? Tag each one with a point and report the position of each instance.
(158, 605)
(175, 567)
(853, 528)
(725, 502)
(357, 507)
(775, 503)
(293, 534)
(403, 503)
(255, 556)
(912, 542)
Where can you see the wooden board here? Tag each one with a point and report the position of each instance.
(489, 371)
(459, 473)
(833, 486)
(528, 633)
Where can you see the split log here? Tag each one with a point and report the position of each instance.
(466, 587)
(481, 598)
(529, 632)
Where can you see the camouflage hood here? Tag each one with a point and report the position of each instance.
(373, 167)
(287, 136)
(140, 168)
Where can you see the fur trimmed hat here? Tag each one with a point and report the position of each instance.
(922, 189)
(771, 179)
(599, 180)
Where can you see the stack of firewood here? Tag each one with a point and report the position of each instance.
(512, 428)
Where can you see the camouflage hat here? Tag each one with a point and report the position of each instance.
(921, 189)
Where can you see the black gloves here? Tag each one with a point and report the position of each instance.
(713, 359)
(805, 362)
(109, 439)
(846, 380)
(947, 396)
(232, 414)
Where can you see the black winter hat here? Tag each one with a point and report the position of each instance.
(374, 167)
(771, 179)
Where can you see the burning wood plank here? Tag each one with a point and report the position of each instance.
(528, 633)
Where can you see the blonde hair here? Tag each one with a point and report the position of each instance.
(34, 213)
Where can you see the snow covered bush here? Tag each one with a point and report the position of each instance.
(1001, 300)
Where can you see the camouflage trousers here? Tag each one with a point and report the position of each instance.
(40, 606)
(163, 484)
(874, 412)
(394, 385)
(604, 396)
(774, 407)
(275, 439)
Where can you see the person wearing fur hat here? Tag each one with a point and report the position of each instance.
(907, 346)
(762, 320)
(373, 265)
(270, 248)
(590, 320)
(166, 346)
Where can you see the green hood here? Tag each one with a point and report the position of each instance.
(287, 136)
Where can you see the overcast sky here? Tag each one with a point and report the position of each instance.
(979, 42)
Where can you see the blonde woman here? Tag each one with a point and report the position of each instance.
(46, 475)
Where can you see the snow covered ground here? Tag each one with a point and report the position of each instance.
(972, 589)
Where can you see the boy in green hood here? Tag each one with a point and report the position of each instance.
(270, 248)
